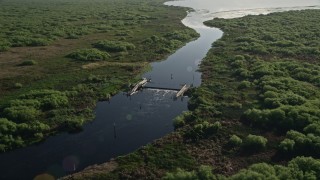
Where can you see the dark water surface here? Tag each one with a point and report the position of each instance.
(181, 67)
(125, 124)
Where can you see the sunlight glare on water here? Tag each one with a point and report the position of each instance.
(228, 5)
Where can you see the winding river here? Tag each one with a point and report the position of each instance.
(127, 123)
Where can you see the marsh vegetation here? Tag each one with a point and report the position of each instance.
(59, 57)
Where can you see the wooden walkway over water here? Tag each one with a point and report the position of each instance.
(182, 90)
(138, 86)
(144, 81)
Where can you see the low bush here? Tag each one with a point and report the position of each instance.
(89, 55)
(17, 85)
(4, 48)
(114, 46)
(203, 129)
(28, 63)
(286, 145)
(254, 142)
(178, 122)
(244, 85)
(235, 141)
(203, 173)
(21, 113)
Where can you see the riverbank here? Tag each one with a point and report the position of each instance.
(55, 86)
(257, 103)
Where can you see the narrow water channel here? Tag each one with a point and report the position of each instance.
(126, 123)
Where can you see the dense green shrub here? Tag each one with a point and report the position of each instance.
(298, 168)
(19, 41)
(21, 113)
(170, 41)
(164, 50)
(256, 171)
(37, 127)
(74, 123)
(7, 141)
(18, 85)
(13, 134)
(49, 99)
(31, 106)
(300, 143)
(114, 46)
(182, 119)
(26, 102)
(54, 101)
(178, 121)
(181, 35)
(286, 145)
(244, 85)
(175, 43)
(254, 142)
(27, 116)
(7, 127)
(235, 141)
(28, 63)
(215, 127)
(89, 55)
(180, 174)
(203, 173)
(313, 128)
(203, 129)
(96, 79)
(285, 109)
(4, 48)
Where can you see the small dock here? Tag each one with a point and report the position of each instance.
(182, 90)
(144, 81)
(138, 86)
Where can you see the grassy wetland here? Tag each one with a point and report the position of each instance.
(57, 58)
(256, 114)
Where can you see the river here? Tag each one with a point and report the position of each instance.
(127, 123)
